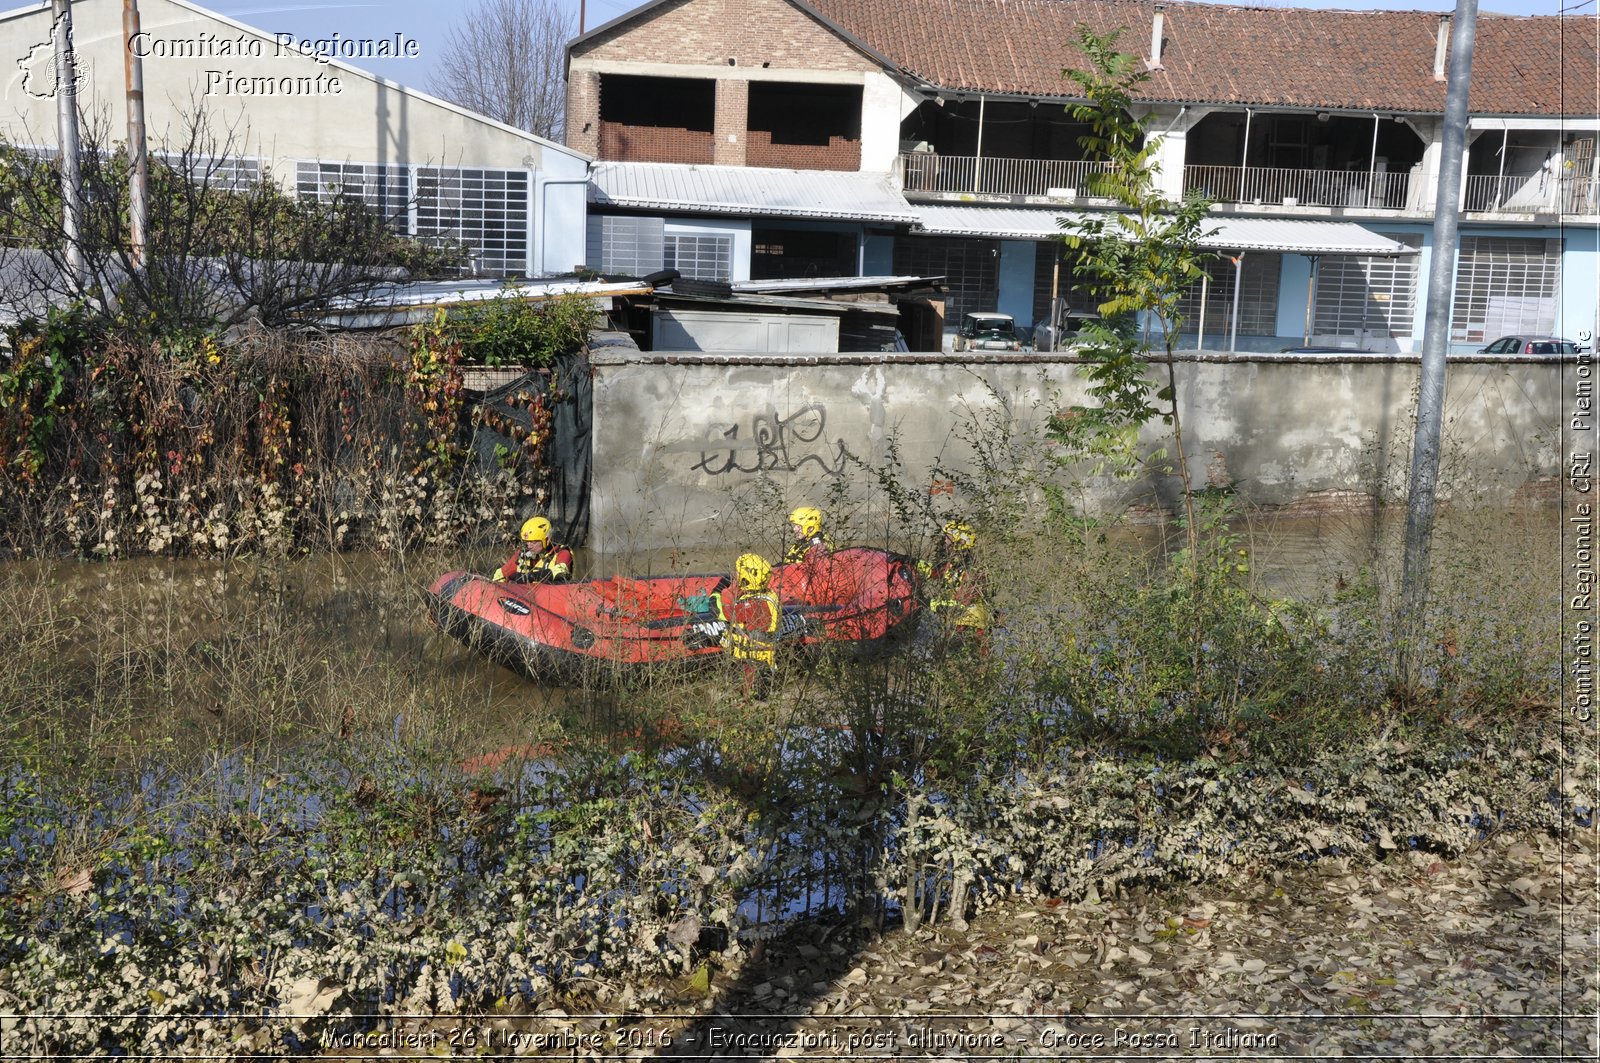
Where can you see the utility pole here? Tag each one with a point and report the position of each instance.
(138, 163)
(67, 132)
(1435, 346)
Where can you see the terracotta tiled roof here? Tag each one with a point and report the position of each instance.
(1214, 53)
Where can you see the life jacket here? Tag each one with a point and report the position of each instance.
(957, 595)
(757, 644)
(800, 549)
(545, 566)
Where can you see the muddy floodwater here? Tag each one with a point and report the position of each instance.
(182, 627)
(296, 724)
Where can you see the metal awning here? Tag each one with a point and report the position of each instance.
(836, 284)
(1293, 236)
(415, 301)
(1298, 236)
(748, 190)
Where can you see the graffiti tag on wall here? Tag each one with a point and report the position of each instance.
(773, 444)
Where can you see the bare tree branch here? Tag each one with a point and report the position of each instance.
(505, 60)
(223, 247)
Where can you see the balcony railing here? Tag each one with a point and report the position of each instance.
(1388, 191)
(1363, 189)
(925, 172)
(1360, 190)
(1565, 195)
(1577, 195)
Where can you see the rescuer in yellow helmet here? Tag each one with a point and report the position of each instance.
(808, 542)
(540, 559)
(751, 635)
(953, 583)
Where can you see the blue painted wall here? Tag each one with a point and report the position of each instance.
(1580, 276)
(877, 259)
(1016, 280)
(1294, 274)
(1579, 309)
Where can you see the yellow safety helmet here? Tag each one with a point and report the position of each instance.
(753, 571)
(960, 534)
(536, 530)
(809, 518)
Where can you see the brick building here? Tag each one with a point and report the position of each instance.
(755, 139)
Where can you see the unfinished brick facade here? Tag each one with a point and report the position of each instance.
(583, 111)
(647, 144)
(755, 34)
(739, 39)
(733, 108)
(840, 153)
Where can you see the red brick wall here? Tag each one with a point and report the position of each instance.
(840, 154)
(632, 143)
(771, 34)
(733, 111)
(583, 111)
(768, 35)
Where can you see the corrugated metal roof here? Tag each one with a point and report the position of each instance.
(828, 284)
(748, 190)
(415, 301)
(433, 294)
(740, 300)
(1292, 235)
(1300, 236)
(1015, 222)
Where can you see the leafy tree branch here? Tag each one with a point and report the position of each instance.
(1136, 261)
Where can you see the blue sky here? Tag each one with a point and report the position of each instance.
(429, 21)
(426, 21)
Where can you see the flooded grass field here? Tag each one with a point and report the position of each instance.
(156, 653)
(268, 788)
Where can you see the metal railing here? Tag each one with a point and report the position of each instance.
(1364, 189)
(1389, 191)
(922, 171)
(1523, 194)
(931, 173)
(1578, 195)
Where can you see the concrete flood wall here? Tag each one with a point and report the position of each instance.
(702, 451)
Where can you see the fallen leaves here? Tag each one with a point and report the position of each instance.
(1450, 967)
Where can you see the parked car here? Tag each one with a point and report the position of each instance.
(988, 332)
(1532, 345)
(1068, 336)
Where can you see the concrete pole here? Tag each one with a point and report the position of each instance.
(67, 133)
(138, 161)
(1435, 345)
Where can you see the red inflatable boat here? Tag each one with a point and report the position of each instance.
(855, 596)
